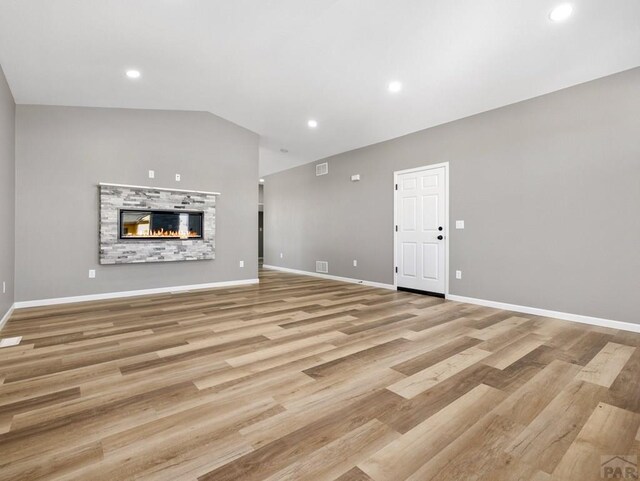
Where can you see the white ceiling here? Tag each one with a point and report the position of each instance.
(270, 65)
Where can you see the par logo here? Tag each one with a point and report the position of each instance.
(619, 467)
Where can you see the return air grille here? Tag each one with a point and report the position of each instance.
(322, 266)
(322, 169)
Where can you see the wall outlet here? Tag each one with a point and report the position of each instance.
(459, 224)
(177, 177)
(355, 263)
(458, 274)
(241, 263)
(281, 255)
(152, 174)
(4, 287)
(92, 273)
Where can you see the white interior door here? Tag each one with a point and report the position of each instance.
(420, 230)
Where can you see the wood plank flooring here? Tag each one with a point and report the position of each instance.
(300, 378)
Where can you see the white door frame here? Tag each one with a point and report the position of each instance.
(446, 221)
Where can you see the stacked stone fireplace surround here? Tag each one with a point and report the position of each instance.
(114, 250)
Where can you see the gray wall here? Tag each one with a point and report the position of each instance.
(7, 194)
(63, 152)
(549, 190)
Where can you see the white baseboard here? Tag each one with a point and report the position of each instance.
(6, 317)
(333, 278)
(594, 321)
(141, 292)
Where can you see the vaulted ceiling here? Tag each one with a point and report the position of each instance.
(273, 65)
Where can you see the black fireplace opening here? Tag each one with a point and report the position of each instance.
(160, 224)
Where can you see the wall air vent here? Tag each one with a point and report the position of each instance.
(322, 169)
(322, 266)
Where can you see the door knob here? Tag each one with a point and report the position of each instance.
(440, 228)
(440, 237)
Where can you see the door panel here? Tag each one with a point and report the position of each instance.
(409, 210)
(409, 183)
(420, 213)
(430, 217)
(429, 181)
(409, 259)
(430, 261)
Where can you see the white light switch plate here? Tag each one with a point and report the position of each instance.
(10, 341)
(459, 224)
(92, 273)
(152, 174)
(355, 263)
(177, 177)
(241, 263)
(458, 274)
(281, 255)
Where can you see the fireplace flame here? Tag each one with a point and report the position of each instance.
(162, 233)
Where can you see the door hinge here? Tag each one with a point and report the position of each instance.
(396, 228)
(396, 269)
(396, 186)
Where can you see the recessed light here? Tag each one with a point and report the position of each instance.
(312, 123)
(561, 12)
(395, 86)
(261, 180)
(133, 73)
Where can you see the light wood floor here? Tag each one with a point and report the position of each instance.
(305, 379)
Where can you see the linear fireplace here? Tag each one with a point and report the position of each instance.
(160, 224)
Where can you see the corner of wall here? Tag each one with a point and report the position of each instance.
(8, 200)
